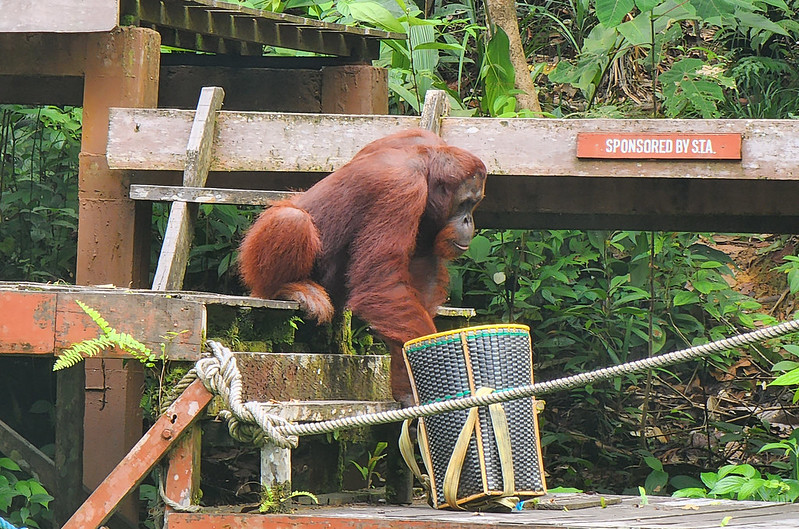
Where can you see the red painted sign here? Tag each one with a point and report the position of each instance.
(670, 145)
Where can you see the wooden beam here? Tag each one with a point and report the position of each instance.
(156, 139)
(548, 147)
(45, 322)
(29, 458)
(684, 513)
(182, 483)
(53, 54)
(142, 458)
(60, 16)
(520, 147)
(180, 228)
(207, 195)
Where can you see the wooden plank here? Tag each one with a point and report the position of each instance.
(246, 141)
(182, 483)
(30, 459)
(198, 149)
(323, 410)
(142, 458)
(59, 16)
(179, 233)
(661, 512)
(30, 327)
(176, 247)
(233, 301)
(151, 139)
(44, 54)
(207, 195)
(49, 320)
(147, 318)
(548, 147)
(314, 377)
(233, 28)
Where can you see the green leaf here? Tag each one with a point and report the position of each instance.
(778, 3)
(785, 365)
(646, 5)
(611, 12)
(479, 249)
(638, 31)
(9, 464)
(377, 15)
(685, 297)
(756, 20)
(728, 485)
(749, 488)
(712, 8)
(790, 378)
(653, 463)
(498, 75)
(656, 481)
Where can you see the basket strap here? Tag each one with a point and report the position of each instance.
(407, 452)
(499, 424)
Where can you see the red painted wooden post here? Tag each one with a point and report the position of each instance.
(142, 458)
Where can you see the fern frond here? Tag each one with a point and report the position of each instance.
(110, 338)
(75, 354)
(95, 316)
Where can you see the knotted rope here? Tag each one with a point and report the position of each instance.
(250, 421)
(247, 421)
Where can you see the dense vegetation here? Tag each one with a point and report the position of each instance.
(591, 298)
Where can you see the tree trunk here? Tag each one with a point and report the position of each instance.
(502, 13)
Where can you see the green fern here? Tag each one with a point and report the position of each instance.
(275, 499)
(109, 339)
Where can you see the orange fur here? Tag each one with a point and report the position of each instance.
(374, 236)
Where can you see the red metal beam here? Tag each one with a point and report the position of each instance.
(142, 458)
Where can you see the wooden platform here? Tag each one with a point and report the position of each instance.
(628, 513)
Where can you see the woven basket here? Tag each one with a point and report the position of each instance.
(459, 363)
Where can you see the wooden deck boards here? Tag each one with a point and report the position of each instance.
(661, 513)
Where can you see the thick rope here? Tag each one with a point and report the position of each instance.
(249, 421)
(543, 388)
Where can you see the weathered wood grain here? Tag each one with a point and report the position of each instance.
(246, 141)
(62, 16)
(150, 139)
(436, 106)
(47, 320)
(548, 147)
(628, 514)
(206, 195)
(179, 233)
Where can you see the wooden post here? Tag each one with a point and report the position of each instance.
(68, 443)
(354, 89)
(121, 70)
(180, 228)
(182, 483)
(276, 467)
(436, 106)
